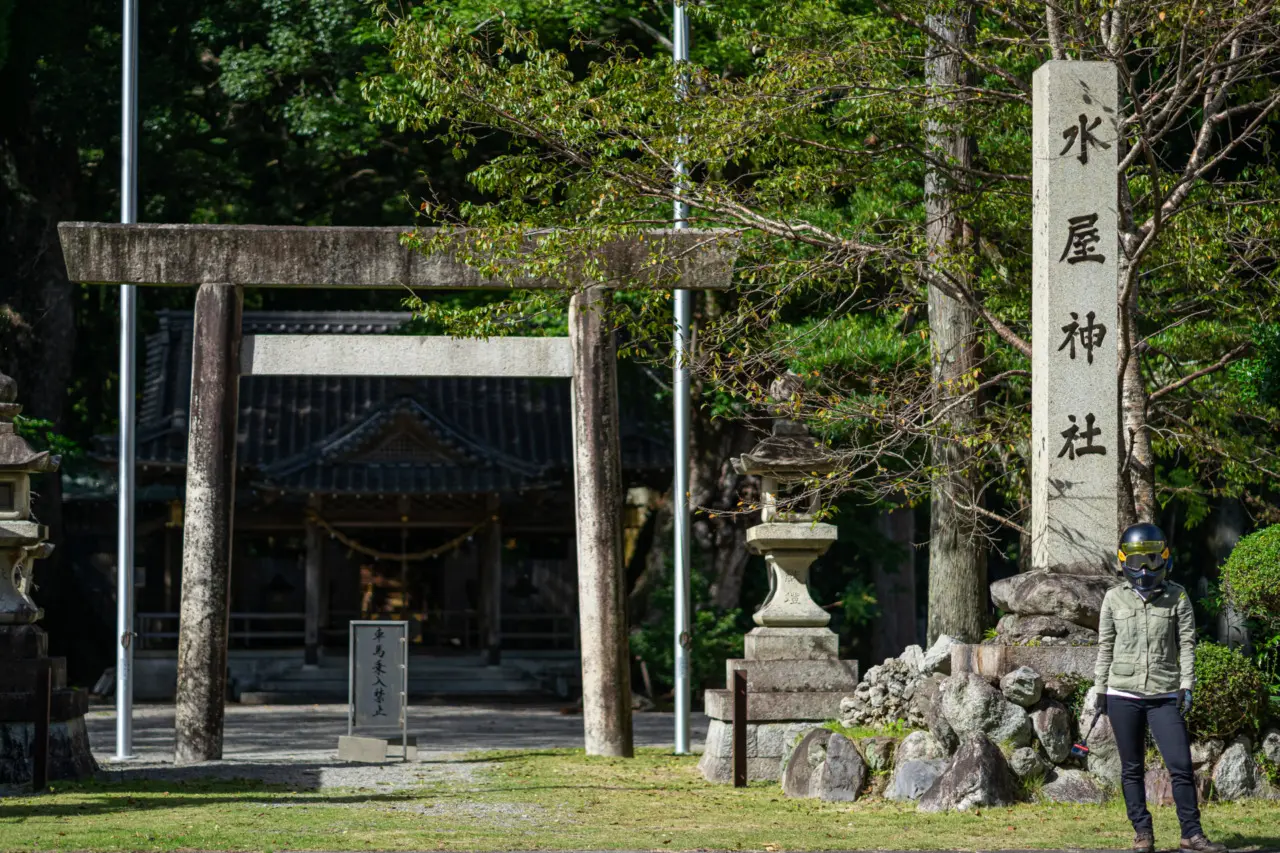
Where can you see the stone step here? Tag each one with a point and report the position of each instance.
(20, 675)
(791, 644)
(795, 676)
(777, 707)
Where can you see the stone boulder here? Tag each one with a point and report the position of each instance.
(1271, 746)
(919, 745)
(1016, 630)
(1236, 775)
(938, 657)
(805, 758)
(1060, 687)
(825, 766)
(1159, 786)
(971, 706)
(1072, 598)
(977, 776)
(913, 656)
(1023, 686)
(926, 703)
(1073, 786)
(913, 777)
(878, 751)
(1104, 755)
(1028, 764)
(1051, 722)
(1205, 754)
(841, 777)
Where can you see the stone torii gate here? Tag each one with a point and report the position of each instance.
(221, 260)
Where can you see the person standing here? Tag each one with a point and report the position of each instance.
(1144, 676)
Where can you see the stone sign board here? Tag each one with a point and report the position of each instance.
(377, 687)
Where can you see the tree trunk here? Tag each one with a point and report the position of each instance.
(895, 585)
(719, 529)
(210, 506)
(1137, 466)
(957, 553)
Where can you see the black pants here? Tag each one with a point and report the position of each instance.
(1129, 720)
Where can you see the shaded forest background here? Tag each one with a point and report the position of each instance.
(252, 112)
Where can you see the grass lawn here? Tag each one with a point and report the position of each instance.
(560, 801)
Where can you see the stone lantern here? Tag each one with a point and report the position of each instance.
(795, 679)
(24, 660)
(22, 539)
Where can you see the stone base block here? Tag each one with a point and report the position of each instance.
(23, 642)
(20, 675)
(766, 747)
(791, 644)
(795, 676)
(69, 754)
(994, 662)
(776, 707)
(375, 750)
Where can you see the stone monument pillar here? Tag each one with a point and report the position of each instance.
(24, 656)
(795, 678)
(1075, 413)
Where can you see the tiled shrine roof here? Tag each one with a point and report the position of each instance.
(356, 435)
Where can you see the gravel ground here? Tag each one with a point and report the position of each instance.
(297, 745)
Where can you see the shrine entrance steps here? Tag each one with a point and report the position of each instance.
(452, 678)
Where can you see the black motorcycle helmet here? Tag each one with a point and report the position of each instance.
(1144, 557)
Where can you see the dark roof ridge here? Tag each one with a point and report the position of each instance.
(352, 438)
(303, 322)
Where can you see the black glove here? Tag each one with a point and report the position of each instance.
(1100, 703)
(1184, 702)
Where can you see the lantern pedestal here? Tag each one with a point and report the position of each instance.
(23, 662)
(35, 701)
(795, 678)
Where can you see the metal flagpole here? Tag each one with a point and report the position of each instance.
(681, 416)
(128, 325)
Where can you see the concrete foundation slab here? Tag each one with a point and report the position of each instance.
(994, 662)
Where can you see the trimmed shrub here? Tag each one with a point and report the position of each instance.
(1251, 575)
(1228, 696)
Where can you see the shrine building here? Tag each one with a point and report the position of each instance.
(446, 502)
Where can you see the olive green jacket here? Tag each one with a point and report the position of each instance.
(1146, 647)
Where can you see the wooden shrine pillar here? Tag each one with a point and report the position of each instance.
(606, 659)
(206, 541)
(491, 584)
(313, 586)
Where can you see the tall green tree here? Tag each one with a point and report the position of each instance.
(815, 152)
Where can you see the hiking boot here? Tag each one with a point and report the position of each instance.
(1144, 842)
(1200, 844)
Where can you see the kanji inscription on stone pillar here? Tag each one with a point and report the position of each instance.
(1075, 245)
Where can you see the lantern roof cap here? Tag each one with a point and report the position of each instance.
(15, 453)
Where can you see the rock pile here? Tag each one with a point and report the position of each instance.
(887, 693)
(982, 744)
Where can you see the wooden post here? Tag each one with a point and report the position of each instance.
(43, 699)
(312, 586)
(606, 669)
(206, 540)
(739, 728)
(491, 584)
